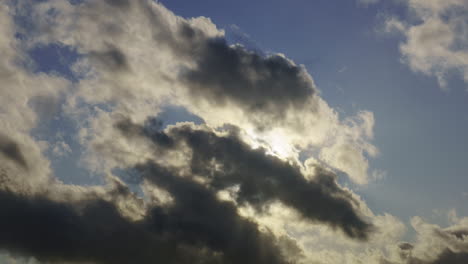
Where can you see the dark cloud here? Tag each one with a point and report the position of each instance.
(405, 246)
(460, 233)
(198, 228)
(232, 74)
(450, 257)
(446, 257)
(57, 232)
(44, 106)
(405, 250)
(199, 217)
(151, 129)
(263, 179)
(11, 150)
(112, 59)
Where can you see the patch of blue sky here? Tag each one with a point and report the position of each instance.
(172, 114)
(55, 59)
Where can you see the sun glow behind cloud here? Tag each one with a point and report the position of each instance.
(275, 141)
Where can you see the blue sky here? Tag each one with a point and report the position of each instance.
(381, 127)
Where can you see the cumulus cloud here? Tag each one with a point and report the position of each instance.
(435, 38)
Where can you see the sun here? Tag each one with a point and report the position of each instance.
(276, 142)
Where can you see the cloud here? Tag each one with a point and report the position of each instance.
(435, 38)
(271, 85)
(202, 230)
(226, 161)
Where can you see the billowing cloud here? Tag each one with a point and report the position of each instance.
(436, 42)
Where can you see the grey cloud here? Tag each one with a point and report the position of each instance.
(112, 59)
(405, 250)
(226, 74)
(57, 232)
(405, 246)
(199, 217)
(222, 74)
(11, 150)
(118, 3)
(450, 257)
(460, 233)
(151, 129)
(453, 253)
(263, 179)
(446, 257)
(231, 74)
(197, 229)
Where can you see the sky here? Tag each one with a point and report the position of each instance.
(325, 131)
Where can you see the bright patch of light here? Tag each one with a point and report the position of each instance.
(276, 142)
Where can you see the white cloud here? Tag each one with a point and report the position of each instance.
(436, 38)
